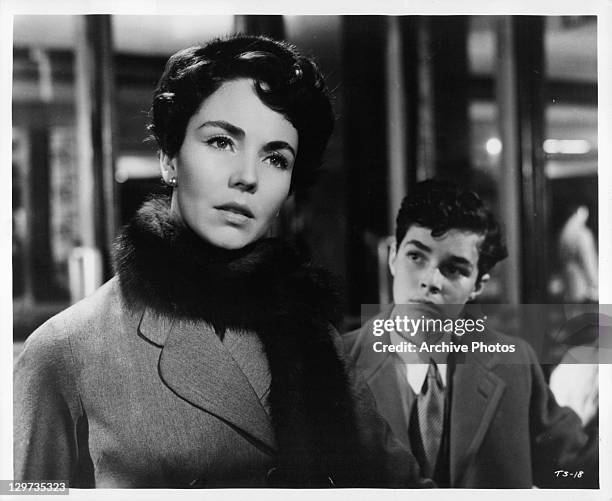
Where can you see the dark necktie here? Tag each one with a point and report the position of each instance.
(430, 408)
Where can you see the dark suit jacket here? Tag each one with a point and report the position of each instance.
(506, 429)
(109, 397)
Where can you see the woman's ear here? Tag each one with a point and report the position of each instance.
(479, 287)
(392, 255)
(167, 165)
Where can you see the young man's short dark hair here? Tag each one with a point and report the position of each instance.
(443, 206)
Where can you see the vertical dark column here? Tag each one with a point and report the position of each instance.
(529, 50)
(271, 26)
(365, 129)
(426, 143)
(509, 188)
(449, 64)
(103, 125)
(39, 276)
(409, 28)
(95, 108)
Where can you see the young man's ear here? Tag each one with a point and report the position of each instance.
(167, 165)
(392, 255)
(479, 287)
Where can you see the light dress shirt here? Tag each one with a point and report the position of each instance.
(416, 367)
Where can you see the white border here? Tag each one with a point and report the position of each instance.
(602, 8)
(6, 308)
(294, 7)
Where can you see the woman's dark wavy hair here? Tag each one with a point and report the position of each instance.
(442, 206)
(284, 80)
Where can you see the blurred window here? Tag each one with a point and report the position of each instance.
(571, 154)
(570, 123)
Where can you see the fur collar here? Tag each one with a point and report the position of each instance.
(269, 288)
(163, 264)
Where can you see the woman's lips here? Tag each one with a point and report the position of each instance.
(235, 213)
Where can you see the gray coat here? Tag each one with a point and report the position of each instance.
(110, 397)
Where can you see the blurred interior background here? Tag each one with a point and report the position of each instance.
(506, 105)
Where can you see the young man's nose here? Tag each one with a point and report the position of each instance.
(244, 175)
(431, 280)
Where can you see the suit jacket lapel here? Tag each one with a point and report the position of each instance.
(196, 366)
(476, 393)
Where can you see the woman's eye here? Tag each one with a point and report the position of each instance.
(277, 160)
(221, 143)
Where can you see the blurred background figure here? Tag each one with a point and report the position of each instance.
(578, 257)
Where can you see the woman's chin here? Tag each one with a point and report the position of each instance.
(228, 238)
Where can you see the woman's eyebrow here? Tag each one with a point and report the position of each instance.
(278, 145)
(228, 127)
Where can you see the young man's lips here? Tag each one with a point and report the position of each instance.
(426, 306)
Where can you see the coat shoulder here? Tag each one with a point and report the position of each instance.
(100, 315)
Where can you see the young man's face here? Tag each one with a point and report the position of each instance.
(438, 270)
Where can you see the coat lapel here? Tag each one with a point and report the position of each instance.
(476, 393)
(392, 403)
(383, 373)
(197, 367)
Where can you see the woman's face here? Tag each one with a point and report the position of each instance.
(234, 167)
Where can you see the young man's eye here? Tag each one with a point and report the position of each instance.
(414, 256)
(455, 271)
(221, 143)
(277, 160)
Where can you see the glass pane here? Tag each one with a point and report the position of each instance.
(571, 156)
(44, 167)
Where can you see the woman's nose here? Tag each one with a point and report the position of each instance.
(432, 280)
(244, 176)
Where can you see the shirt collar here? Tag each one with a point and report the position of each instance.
(416, 368)
(417, 373)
